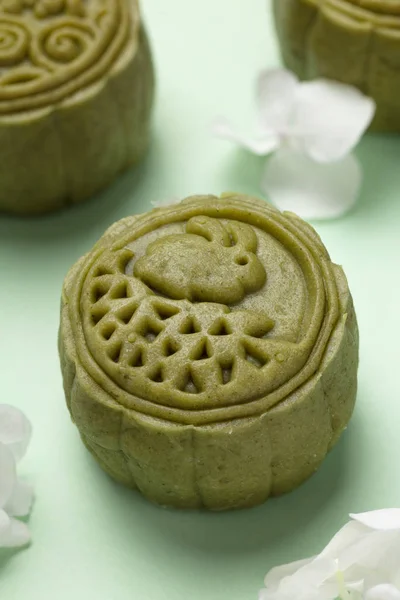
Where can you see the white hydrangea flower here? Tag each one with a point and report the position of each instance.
(15, 496)
(362, 562)
(311, 127)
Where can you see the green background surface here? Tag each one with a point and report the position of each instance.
(91, 538)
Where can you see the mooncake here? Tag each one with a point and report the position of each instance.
(209, 352)
(353, 41)
(76, 90)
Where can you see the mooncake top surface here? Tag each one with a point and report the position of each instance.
(377, 8)
(50, 49)
(212, 304)
(384, 6)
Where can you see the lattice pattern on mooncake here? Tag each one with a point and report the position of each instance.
(140, 335)
(198, 391)
(177, 321)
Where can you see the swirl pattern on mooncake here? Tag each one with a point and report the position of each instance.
(217, 325)
(76, 95)
(51, 48)
(353, 41)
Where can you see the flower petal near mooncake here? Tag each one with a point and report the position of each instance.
(76, 90)
(209, 352)
(353, 41)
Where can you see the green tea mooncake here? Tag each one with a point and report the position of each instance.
(353, 41)
(209, 352)
(76, 89)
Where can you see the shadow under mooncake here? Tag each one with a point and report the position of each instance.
(209, 352)
(356, 42)
(76, 91)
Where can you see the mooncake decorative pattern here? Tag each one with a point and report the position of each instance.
(56, 47)
(209, 352)
(75, 77)
(318, 37)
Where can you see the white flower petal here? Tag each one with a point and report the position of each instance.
(276, 93)
(330, 118)
(369, 552)
(356, 586)
(15, 534)
(312, 190)
(163, 202)
(305, 579)
(15, 430)
(315, 573)
(264, 144)
(4, 522)
(20, 502)
(345, 537)
(7, 474)
(360, 563)
(384, 519)
(274, 577)
(383, 592)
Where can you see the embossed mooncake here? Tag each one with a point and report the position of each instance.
(209, 352)
(353, 41)
(76, 90)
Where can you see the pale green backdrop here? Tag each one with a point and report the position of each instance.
(94, 540)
